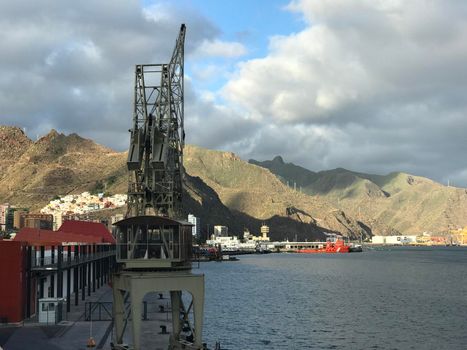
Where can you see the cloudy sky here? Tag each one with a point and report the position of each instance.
(369, 85)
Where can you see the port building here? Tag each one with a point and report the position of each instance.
(65, 265)
(196, 222)
(221, 231)
(459, 236)
(40, 221)
(18, 218)
(409, 239)
(264, 232)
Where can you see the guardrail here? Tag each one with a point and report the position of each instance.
(102, 311)
(69, 260)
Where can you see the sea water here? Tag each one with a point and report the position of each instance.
(392, 298)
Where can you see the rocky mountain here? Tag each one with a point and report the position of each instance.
(220, 187)
(386, 203)
(13, 143)
(250, 192)
(32, 173)
(223, 189)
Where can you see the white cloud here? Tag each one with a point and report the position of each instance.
(219, 48)
(306, 76)
(383, 78)
(208, 72)
(85, 50)
(370, 85)
(71, 67)
(157, 13)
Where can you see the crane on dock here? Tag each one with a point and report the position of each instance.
(155, 156)
(154, 243)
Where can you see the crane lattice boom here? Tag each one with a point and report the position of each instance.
(155, 156)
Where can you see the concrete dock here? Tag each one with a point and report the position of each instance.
(74, 332)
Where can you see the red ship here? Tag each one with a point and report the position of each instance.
(338, 246)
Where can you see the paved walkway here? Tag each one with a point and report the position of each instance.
(73, 333)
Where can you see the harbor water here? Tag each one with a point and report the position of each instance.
(391, 298)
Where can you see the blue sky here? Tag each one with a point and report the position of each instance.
(250, 23)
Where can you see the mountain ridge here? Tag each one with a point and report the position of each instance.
(222, 188)
(404, 202)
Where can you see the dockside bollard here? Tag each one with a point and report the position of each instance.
(163, 330)
(91, 343)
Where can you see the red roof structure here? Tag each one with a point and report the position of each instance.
(87, 228)
(35, 236)
(72, 231)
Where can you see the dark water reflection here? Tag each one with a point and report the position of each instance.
(399, 298)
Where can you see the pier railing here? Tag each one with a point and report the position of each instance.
(66, 260)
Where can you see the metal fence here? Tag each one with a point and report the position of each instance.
(68, 260)
(102, 311)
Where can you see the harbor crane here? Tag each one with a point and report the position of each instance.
(155, 156)
(154, 244)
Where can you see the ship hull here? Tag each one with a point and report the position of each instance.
(331, 247)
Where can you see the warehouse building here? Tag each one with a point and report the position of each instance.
(39, 264)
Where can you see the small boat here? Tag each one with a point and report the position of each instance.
(337, 246)
(355, 248)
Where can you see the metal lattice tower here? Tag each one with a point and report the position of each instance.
(155, 156)
(154, 244)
